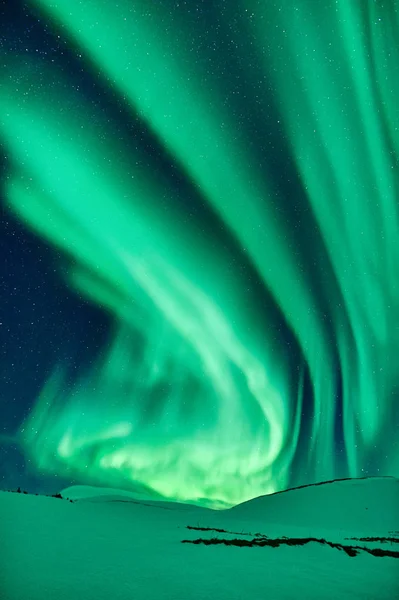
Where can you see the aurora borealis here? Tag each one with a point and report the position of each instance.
(221, 180)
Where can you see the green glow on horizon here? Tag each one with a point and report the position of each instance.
(194, 398)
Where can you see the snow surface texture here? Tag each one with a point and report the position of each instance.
(108, 545)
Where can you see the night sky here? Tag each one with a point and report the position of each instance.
(199, 244)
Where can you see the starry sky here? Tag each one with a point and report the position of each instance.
(199, 243)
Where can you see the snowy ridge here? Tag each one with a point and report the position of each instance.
(121, 548)
(370, 504)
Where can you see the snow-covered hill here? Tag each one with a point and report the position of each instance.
(348, 505)
(107, 544)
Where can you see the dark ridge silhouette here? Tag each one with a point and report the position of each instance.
(131, 501)
(393, 540)
(231, 532)
(208, 529)
(19, 491)
(307, 485)
(275, 543)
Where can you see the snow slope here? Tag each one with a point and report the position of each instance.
(354, 506)
(111, 546)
